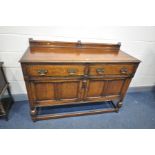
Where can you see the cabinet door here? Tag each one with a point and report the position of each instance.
(57, 91)
(97, 89)
(114, 87)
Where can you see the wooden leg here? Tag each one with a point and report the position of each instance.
(9, 92)
(119, 104)
(33, 114)
(115, 106)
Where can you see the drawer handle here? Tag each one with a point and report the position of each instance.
(42, 72)
(124, 70)
(100, 70)
(72, 71)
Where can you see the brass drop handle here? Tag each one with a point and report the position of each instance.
(124, 70)
(72, 71)
(42, 72)
(100, 70)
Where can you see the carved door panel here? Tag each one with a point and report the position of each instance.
(70, 90)
(114, 87)
(97, 89)
(57, 91)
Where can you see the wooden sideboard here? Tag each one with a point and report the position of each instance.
(70, 73)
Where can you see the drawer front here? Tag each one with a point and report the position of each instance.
(111, 69)
(55, 70)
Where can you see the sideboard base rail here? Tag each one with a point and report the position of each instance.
(76, 113)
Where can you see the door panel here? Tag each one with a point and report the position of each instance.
(69, 89)
(95, 88)
(57, 91)
(99, 88)
(113, 87)
(44, 91)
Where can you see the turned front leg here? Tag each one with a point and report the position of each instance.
(33, 113)
(119, 104)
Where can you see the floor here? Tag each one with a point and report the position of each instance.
(138, 112)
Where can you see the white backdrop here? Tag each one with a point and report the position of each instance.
(137, 41)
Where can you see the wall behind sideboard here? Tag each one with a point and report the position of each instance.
(137, 41)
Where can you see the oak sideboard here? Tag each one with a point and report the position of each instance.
(73, 73)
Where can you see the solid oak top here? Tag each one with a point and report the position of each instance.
(54, 52)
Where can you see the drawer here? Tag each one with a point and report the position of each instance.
(111, 69)
(55, 70)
